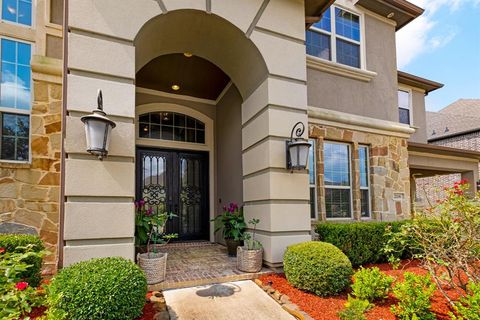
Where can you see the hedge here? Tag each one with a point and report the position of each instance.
(14, 242)
(317, 267)
(103, 288)
(362, 242)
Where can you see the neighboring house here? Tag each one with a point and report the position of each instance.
(458, 126)
(205, 94)
(30, 116)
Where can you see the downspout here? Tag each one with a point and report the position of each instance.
(64, 122)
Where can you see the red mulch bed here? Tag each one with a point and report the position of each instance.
(326, 308)
(148, 311)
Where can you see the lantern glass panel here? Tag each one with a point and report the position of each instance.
(95, 131)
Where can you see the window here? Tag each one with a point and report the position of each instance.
(15, 103)
(171, 126)
(364, 182)
(312, 172)
(338, 196)
(18, 11)
(404, 107)
(336, 37)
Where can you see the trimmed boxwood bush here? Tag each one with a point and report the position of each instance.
(14, 243)
(104, 288)
(317, 267)
(362, 242)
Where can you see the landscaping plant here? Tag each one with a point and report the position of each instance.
(317, 267)
(362, 242)
(371, 284)
(446, 238)
(414, 295)
(104, 288)
(249, 240)
(231, 222)
(468, 307)
(354, 309)
(17, 296)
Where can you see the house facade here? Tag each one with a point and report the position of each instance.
(205, 94)
(456, 125)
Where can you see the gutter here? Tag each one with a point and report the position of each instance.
(64, 122)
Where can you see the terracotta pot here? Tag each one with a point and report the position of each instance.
(232, 246)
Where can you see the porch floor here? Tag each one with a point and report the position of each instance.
(200, 263)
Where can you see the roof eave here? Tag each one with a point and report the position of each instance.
(418, 82)
(403, 11)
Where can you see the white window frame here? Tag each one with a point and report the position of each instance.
(367, 158)
(34, 17)
(349, 146)
(343, 5)
(314, 185)
(19, 111)
(410, 103)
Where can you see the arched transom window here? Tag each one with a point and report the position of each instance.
(171, 126)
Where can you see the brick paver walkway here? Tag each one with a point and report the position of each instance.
(200, 263)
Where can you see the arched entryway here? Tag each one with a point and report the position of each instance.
(264, 60)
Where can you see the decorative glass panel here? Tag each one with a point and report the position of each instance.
(15, 75)
(171, 126)
(337, 203)
(15, 134)
(154, 184)
(348, 53)
(318, 45)
(347, 24)
(18, 11)
(325, 23)
(190, 196)
(336, 164)
(404, 116)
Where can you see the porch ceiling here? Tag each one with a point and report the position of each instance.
(189, 73)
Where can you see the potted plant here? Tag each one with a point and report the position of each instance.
(232, 223)
(152, 225)
(250, 256)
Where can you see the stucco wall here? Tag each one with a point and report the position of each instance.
(419, 117)
(377, 98)
(229, 149)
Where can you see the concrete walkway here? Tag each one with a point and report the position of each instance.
(233, 300)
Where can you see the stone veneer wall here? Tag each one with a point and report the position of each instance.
(29, 192)
(389, 172)
(430, 189)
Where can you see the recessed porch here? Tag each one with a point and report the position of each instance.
(200, 263)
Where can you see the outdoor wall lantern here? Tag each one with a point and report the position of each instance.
(297, 149)
(98, 129)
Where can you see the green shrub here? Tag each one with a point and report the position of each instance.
(362, 242)
(104, 289)
(17, 243)
(468, 307)
(317, 267)
(371, 284)
(414, 295)
(354, 309)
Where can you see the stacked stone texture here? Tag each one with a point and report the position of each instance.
(29, 192)
(389, 173)
(430, 189)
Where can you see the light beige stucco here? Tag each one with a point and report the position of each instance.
(419, 117)
(273, 50)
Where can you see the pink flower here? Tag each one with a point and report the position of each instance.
(2, 250)
(224, 208)
(141, 202)
(149, 212)
(21, 285)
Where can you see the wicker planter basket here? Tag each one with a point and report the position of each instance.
(154, 266)
(249, 260)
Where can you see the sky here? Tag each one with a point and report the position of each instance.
(443, 45)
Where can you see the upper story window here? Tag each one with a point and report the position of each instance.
(171, 126)
(18, 11)
(15, 100)
(336, 37)
(404, 107)
(337, 175)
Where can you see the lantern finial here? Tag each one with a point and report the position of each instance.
(100, 99)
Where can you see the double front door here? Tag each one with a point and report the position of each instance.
(176, 181)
